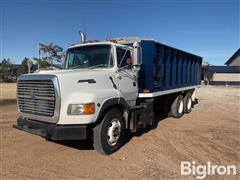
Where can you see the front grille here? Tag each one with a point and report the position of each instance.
(36, 97)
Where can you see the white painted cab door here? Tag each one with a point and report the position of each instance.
(127, 79)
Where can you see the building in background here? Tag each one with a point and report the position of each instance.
(234, 60)
(228, 75)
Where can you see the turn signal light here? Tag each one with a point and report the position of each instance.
(146, 91)
(89, 108)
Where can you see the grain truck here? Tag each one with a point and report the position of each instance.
(107, 88)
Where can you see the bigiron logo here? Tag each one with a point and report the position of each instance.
(201, 171)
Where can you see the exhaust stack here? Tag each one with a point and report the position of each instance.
(83, 37)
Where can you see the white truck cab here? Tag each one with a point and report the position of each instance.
(97, 94)
(96, 76)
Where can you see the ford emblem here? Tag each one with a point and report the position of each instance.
(33, 97)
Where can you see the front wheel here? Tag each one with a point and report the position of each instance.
(108, 135)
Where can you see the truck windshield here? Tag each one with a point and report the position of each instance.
(92, 56)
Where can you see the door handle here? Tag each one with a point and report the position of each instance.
(134, 84)
(119, 76)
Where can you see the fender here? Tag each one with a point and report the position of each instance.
(111, 102)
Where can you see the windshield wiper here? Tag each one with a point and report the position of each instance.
(99, 65)
(91, 67)
(79, 66)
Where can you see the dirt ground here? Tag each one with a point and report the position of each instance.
(7, 91)
(211, 132)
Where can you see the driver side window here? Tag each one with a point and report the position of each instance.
(124, 57)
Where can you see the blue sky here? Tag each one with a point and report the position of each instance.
(209, 28)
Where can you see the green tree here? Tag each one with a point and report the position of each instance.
(6, 71)
(23, 68)
(41, 63)
(53, 52)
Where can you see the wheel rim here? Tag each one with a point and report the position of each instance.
(189, 104)
(114, 132)
(180, 108)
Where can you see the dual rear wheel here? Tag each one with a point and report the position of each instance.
(181, 105)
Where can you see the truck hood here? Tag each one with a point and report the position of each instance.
(73, 72)
(82, 80)
(78, 86)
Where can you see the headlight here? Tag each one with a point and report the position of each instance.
(79, 109)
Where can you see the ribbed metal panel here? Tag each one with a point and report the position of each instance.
(36, 97)
(166, 68)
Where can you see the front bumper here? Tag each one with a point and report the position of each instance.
(52, 131)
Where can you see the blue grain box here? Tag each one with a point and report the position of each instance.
(164, 68)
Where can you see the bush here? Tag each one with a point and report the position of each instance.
(7, 71)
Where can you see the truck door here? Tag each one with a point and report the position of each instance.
(127, 79)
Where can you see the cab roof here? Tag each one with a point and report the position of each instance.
(93, 43)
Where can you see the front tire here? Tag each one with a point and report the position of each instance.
(108, 135)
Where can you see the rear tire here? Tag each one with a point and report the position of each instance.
(108, 135)
(187, 103)
(177, 107)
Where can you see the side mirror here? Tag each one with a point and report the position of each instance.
(137, 54)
